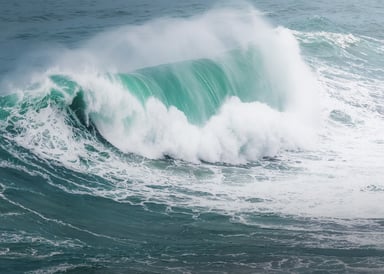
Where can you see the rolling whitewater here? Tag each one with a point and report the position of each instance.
(192, 137)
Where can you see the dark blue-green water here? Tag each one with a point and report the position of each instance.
(191, 136)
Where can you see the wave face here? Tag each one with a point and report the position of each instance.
(223, 87)
(208, 140)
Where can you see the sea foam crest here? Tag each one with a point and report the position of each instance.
(239, 131)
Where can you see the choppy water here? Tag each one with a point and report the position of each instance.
(192, 136)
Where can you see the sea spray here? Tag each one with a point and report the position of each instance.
(229, 88)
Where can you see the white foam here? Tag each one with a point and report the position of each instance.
(339, 178)
(239, 132)
(341, 40)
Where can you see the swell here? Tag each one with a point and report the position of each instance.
(199, 87)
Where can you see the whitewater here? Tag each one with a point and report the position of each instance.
(207, 137)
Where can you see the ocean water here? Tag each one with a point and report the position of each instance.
(192, 136)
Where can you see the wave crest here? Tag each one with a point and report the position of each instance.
(222, 87)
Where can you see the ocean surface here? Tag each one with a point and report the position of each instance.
(192, 136)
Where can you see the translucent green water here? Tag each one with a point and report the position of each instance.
(208, 141)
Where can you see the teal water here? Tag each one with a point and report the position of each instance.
(191, 137)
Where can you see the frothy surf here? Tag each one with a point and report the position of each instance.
(222, 87)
